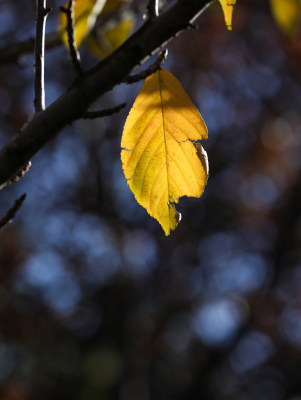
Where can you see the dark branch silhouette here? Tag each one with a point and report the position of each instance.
(103, 113)
(73, 104)
(74, 53)
(150, 70)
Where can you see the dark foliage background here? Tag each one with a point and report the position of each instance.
(95, 302)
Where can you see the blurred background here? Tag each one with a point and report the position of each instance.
(95, 301)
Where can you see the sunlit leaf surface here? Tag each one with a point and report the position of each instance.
(227, 6)
(160, 158)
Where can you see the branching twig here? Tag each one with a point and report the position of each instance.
(153, 9)
(150, 70)
(14, 52)
(10, 214)
(41, 15)
(44, 126)
(103, 113)
(74, 53)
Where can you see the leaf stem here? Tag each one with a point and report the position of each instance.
(150, 70)
(103, 113)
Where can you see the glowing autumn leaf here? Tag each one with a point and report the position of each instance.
(227, 6)
(105, 39)
(287, 14)
(85, 14)
(160, 158)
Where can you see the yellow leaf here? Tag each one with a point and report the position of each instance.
(85, 14)
(105, 39)
(160, 160)
(287, 14)
(227, 6)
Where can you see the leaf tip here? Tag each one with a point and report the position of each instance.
(228, 7)
(173, 221)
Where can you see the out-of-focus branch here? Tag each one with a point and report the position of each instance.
(15, 52)
(150, 70)
(10, 214)
(41, 15)
(74, 53)
(73, 104)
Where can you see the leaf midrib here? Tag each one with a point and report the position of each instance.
(164, 135)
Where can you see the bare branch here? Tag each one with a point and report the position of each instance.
(103, 113)
(13, 53)
(10, 214)
(41, 15)
(73, 104)
(153, 9)
(150, 70)
(74, 53)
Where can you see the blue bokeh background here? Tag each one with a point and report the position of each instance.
(95, 302)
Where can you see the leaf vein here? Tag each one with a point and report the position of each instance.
(188, 162)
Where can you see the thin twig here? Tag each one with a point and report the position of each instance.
(74, 53)
(150, 70)
(41, 15)
(70, 106)
(10, 214)
(14, 52)
(103, 113)
(153, 9)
